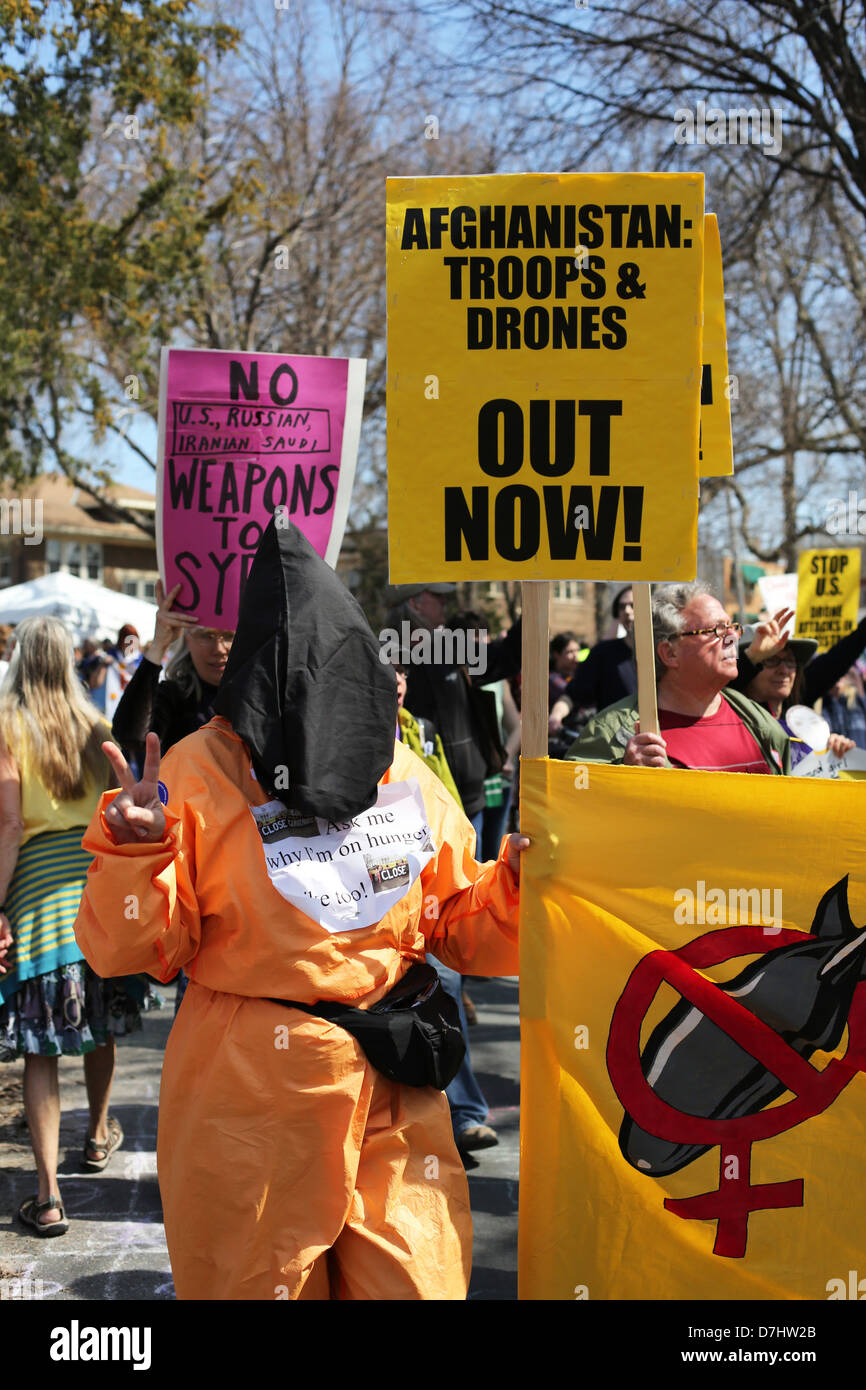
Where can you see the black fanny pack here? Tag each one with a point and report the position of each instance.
(413, 1035)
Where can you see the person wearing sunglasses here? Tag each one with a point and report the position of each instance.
(182, 702)
(773, 671)
(819, 672)
(703, 722)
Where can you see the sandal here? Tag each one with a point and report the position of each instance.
(106, 1148)
(30, 1211)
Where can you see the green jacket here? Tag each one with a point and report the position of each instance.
(416, 735)
(605, 737)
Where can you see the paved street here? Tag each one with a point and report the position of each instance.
(495, 1046)
(115, 1248)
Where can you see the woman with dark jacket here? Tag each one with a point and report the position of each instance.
(183, 702)
(819, 673)
(780, 671)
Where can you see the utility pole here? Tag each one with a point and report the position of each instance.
(735, 556)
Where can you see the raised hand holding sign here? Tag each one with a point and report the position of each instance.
(169, 623)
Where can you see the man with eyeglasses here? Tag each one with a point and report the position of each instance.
(703, 723)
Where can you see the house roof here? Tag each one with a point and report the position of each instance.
(69, 510)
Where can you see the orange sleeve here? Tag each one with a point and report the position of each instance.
(469, 910)
(139, 911)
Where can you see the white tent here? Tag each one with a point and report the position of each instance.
(87, 609)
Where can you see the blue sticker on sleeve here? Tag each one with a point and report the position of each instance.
(163, 792)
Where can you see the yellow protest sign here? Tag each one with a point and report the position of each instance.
(716, 456)
(544, 366)
(679, 971)
(828, 595)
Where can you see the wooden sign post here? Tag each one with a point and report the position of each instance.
(536, 662)
(645, 657)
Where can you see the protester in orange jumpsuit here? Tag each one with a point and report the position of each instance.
(289, 1166)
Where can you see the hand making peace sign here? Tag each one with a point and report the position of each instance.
(135, 815)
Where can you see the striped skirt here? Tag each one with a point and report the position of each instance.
(52, 1002)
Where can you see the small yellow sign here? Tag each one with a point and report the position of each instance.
(828, 595)
(544, 373)
(716, 455)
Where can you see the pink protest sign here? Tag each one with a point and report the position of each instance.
(243, 436)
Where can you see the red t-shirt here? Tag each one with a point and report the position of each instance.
(717, 742)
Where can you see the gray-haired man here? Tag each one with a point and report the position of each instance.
(701, 727)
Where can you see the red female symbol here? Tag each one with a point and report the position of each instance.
(813, 1091)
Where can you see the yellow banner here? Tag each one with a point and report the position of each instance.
(828, 595)
(544, 370)
(716, 456)
(679, 971)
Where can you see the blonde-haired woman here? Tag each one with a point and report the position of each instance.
(52, 773)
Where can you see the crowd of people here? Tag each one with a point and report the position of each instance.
(711, 689)
(299, 727)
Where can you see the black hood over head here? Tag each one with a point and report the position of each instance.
(304, 686)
